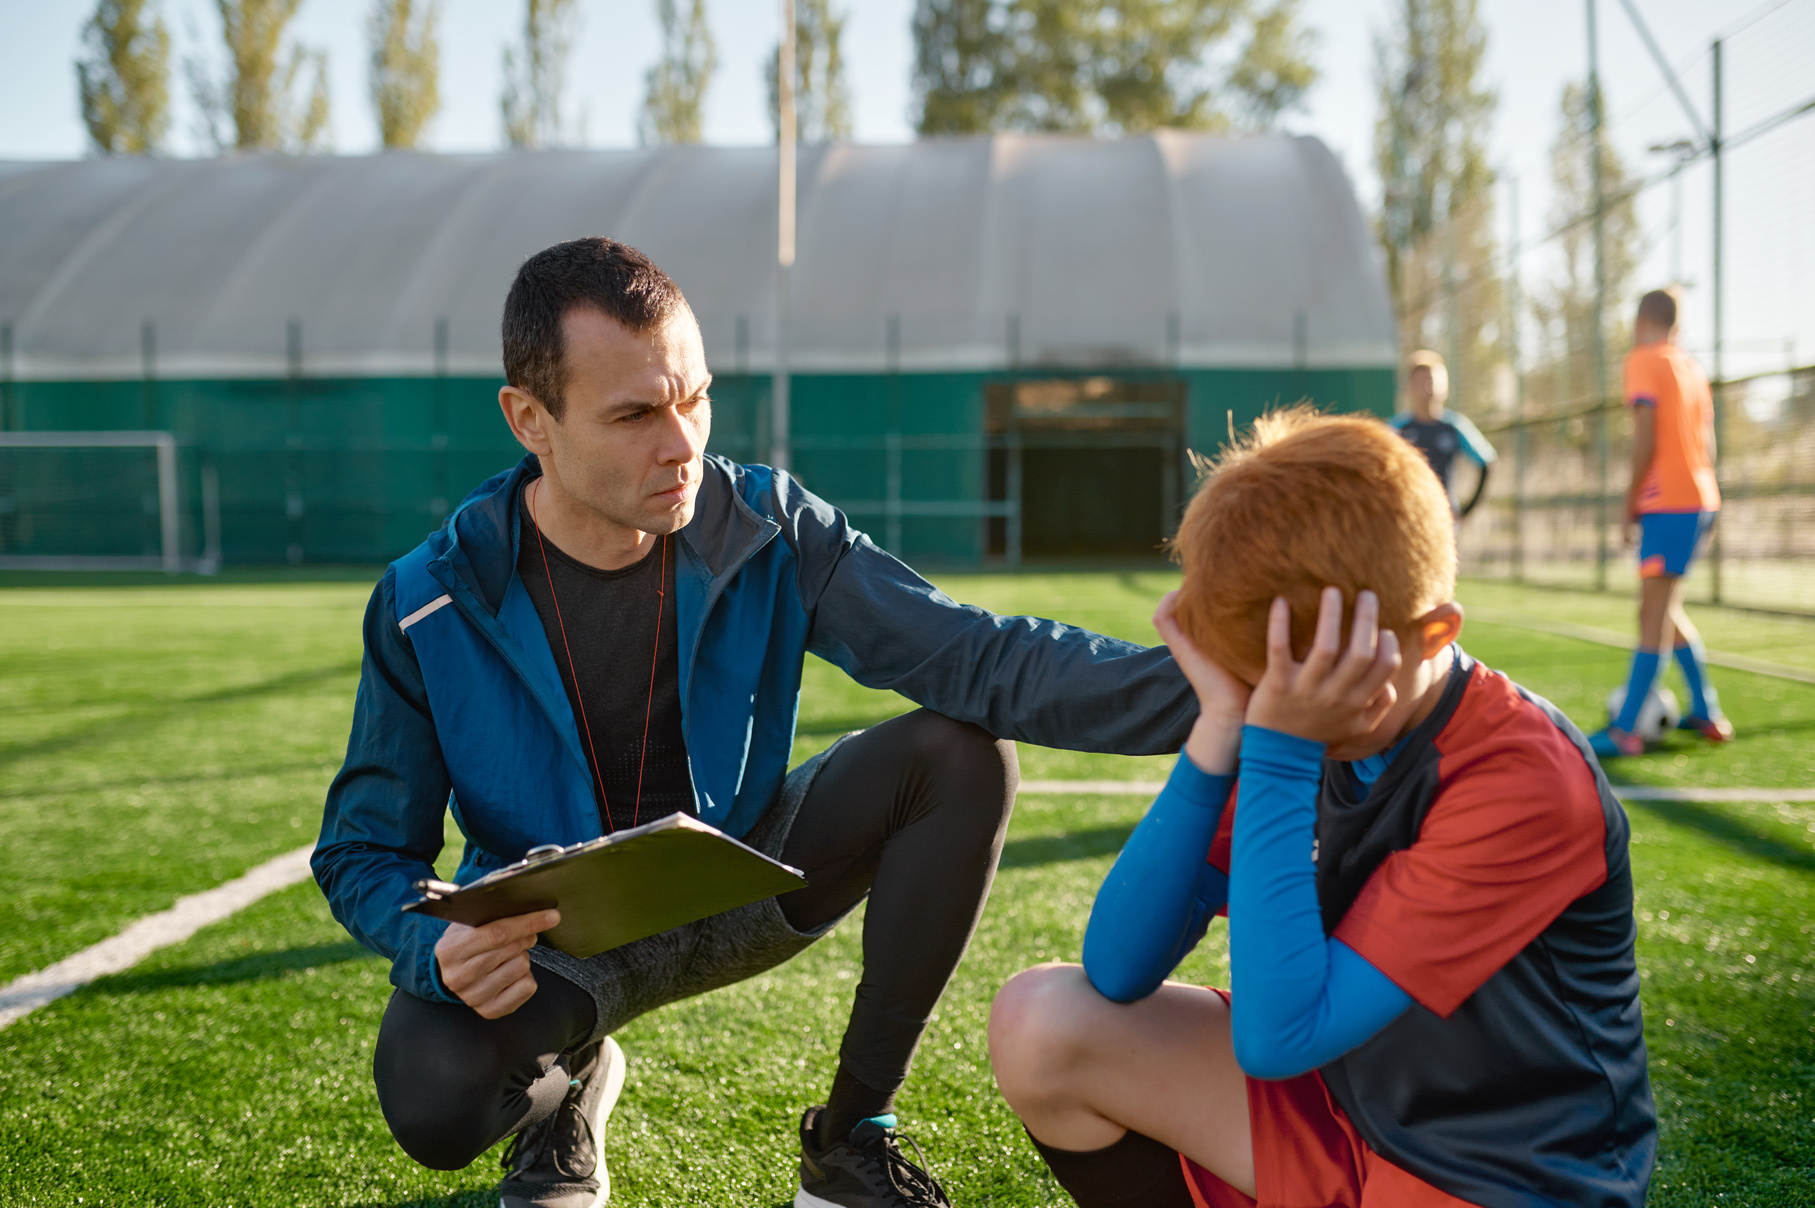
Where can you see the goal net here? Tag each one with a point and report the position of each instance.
(106, 501)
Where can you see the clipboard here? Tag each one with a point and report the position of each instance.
(621, 887)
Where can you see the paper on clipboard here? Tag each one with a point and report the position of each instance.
(618, 888)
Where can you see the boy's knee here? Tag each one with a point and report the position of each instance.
(1039, 1031)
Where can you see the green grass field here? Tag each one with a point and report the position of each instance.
(160, 739)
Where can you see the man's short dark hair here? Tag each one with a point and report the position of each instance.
(1659, 307)
(610, 277)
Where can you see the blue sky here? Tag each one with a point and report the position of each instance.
(1536, 46)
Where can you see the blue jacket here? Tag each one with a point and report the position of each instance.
(461, 706)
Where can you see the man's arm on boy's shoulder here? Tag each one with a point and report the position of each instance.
(382, 827)
(1502, 853)
(1024, 678)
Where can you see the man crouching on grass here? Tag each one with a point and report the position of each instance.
(612, 632)
(1430, 906)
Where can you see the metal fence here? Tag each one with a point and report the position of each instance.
(1552, 515)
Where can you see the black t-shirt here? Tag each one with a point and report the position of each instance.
(611, 630)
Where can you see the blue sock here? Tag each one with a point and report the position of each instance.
(1702, 701)
(1638, 687)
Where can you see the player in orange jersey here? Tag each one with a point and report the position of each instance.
(1672, 502)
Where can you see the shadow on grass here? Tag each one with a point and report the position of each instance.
(478, 1197)
(1057, 849)
(153, 713)
(260, 967)
(226, 772)
(1735, 834)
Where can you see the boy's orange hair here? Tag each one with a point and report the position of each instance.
(1306, 501)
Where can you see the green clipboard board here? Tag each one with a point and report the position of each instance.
(618, 888)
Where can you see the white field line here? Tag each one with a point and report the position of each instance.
(154, 931)
(1629, 792)
(1607, 637)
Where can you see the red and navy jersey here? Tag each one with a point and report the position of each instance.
(1486, 873)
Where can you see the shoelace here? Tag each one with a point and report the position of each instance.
(527, 1147)
(911, 1179)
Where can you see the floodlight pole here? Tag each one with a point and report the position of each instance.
(6, 378)
(170, 532)
(780, 420)
(1598, 333)
(1514, 305)
(1715, 145)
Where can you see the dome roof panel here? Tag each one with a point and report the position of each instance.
(1044, 249)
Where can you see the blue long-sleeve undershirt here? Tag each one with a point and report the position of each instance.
(1159, 897)
(1303, 999)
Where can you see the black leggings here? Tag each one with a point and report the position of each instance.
(910, 812)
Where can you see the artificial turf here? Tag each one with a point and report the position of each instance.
(158, 740)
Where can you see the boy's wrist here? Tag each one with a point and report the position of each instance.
(1281, 752)
(1192, 785)
(1214, 744)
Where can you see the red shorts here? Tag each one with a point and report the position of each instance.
(1307, 1154)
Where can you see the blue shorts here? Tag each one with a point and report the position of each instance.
(1669, 540)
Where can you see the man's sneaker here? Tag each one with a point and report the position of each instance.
(555, 1163)
(866, 1170)
(1717, 729)
(1609, 743)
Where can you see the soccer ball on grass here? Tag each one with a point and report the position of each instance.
(1658, 714)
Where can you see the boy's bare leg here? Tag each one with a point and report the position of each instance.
(1683, 629)
(1081, 1071)
(1660, 607)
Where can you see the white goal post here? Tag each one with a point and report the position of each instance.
(169, 557)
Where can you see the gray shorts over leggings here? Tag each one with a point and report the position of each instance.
(712, 953)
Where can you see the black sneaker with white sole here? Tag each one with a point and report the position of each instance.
(555, 1163)
(865, 1170)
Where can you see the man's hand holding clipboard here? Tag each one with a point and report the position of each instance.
(588, 898)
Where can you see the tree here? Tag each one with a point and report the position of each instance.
(405, 68)
(259, 99)
(1565, 306)
(675, 97)
(535, 75)
(1107, 66)
(125, 83)
(1436, 223)
(822, 99)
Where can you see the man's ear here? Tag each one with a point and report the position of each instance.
(528, 419)
(1438, 628)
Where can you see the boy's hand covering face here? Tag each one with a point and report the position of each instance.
(1335, 695)
(1222, 699)
(1220, 696)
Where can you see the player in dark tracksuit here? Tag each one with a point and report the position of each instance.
(1431, 940)
(1439, 433)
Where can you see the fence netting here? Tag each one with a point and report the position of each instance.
(1741, 247)
(1553, 514)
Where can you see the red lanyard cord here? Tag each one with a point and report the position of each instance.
(661, 593)
(648, 710)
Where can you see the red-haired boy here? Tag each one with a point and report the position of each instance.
(1430, 906)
